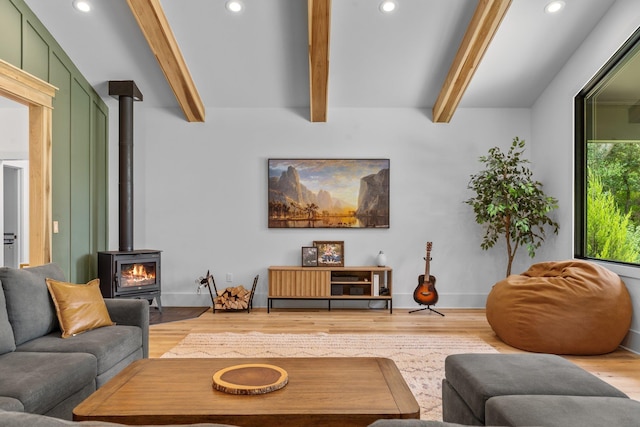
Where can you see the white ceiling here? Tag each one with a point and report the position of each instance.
(259, 57)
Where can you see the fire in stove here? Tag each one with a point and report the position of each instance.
(139, 274)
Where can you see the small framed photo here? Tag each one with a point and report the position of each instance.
(309, 256)
(330, 253)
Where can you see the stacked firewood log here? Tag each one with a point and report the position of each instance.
(236, 298)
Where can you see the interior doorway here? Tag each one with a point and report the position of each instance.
(11, 214)
(15, 223)
(37, 95)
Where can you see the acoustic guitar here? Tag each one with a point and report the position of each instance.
(426, 293)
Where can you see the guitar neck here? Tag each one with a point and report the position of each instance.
(427, 263)
(426, 267)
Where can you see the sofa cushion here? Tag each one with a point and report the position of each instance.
(29, 304)
(79, 308)
(7, 340)
(42, 380)
(556, 411)
(478, 377)
(109, 345)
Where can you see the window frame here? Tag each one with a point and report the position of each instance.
(581, 134)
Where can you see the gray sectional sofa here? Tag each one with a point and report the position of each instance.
(22, 419)
(530, 389)
(42, 373)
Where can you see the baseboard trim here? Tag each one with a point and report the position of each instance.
(632, 342)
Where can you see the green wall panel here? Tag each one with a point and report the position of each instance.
(10, 33)
(80, 181)
(35, 58)
(80, 141)
(61, 179)
(100, 186)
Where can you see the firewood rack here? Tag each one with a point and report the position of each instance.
(209, 281)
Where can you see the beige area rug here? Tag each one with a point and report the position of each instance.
(420, 359)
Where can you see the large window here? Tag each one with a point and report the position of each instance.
(608, 160)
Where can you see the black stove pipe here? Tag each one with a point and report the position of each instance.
(125, 183)
(127, 92)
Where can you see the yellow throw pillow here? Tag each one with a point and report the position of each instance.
(79, 308)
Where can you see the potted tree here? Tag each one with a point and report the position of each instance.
(509, 203)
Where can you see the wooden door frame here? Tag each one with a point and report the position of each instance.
(22, 87)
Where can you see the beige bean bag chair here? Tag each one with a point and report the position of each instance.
(565, 307)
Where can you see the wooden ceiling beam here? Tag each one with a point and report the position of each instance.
(319, 22)
(480, 32)
(157, 31)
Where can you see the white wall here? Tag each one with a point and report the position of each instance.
(14, 138)
(553, 135)
(201, 194)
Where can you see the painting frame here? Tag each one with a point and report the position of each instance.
(328, 193)
(309, 256)
(330, 253)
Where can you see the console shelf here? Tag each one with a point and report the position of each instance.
(330, 283)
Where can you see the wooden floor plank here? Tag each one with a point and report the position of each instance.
(620, 368)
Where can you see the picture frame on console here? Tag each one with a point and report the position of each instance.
(330, 253)
(328, 193)
(309, 256)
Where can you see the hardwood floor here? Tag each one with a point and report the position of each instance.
(620, 368)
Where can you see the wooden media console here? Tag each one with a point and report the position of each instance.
(330, 283)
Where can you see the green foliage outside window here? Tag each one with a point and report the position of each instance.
(610, 233)
(617, 165)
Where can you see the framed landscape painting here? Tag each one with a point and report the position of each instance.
(328, 193)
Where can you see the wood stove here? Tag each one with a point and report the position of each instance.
(130, 274)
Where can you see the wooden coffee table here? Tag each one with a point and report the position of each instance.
(321, 391)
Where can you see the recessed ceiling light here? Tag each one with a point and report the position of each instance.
(234, 6)
(388, 6)
(82, 5)
(554, 7)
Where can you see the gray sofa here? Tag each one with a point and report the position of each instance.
(530, 390)
(23, 419)
(42, 373)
